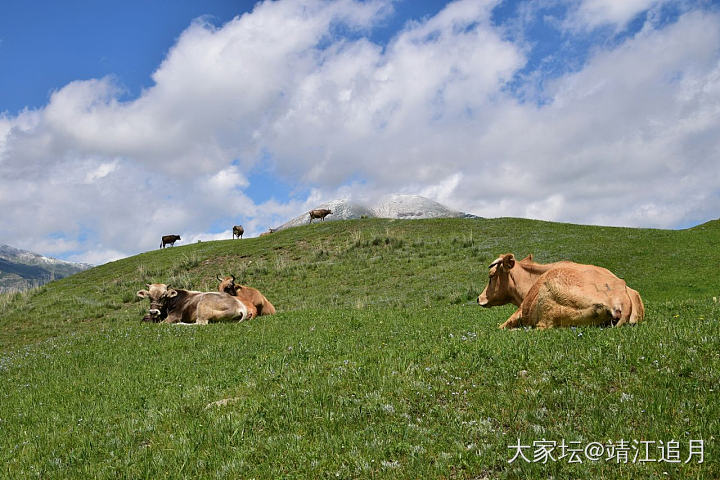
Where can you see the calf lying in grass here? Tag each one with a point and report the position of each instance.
(250, 296)
(171, 305)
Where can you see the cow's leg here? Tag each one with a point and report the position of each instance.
(555, 314)
(556, 305)
(638, 308)
(173, 318)
(513, 321)
(202, 313)
(266, 308)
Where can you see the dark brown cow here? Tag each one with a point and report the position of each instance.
(246, 294)
(560, 294)
(238, 231)
(169, 240)
(320, 213)
(171, 305)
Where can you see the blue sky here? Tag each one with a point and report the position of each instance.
(47, 44)
(124, 121)
(50, 44)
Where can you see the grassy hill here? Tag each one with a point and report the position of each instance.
(377, 364)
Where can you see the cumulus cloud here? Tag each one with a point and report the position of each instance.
(594, 13)
(630, 138)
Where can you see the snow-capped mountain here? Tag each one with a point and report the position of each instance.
(396, 206)
(412, 207)
(21, 269)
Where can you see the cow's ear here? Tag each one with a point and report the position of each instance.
(143, 293)
(508, 261)
(171, 293)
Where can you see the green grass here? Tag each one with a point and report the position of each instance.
(376, 366)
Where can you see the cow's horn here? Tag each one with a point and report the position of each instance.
(233, 277)
(218, 277)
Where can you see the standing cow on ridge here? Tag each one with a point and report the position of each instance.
(238, 231)
(320, 213)
(169, 240)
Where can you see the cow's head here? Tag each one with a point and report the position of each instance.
(227, 284)
(159, 295)
(500, 284)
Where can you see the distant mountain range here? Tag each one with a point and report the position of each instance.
(397, 206)
(20, 269)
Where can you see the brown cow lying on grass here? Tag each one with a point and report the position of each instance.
(250, 296)
(171, 305)
(561, 294)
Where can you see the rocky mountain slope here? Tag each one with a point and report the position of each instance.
(21, 269)
(396, 206)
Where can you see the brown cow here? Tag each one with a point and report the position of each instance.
(238, 231)
(270, 230)
(171, 305)
(320, 213)
(169, 240)
(560, 294)
(246, 294)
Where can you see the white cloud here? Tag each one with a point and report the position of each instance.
(97, 256)
(103, 170)
(631, 138)
(594, 13)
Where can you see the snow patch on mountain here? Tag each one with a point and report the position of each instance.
(342, 210)
(412, 207)
(21, 269)
(26, 257)
(395, 206)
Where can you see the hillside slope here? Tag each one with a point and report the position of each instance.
(374, 262)
(377, 365)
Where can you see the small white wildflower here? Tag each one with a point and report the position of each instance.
(626, 397)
